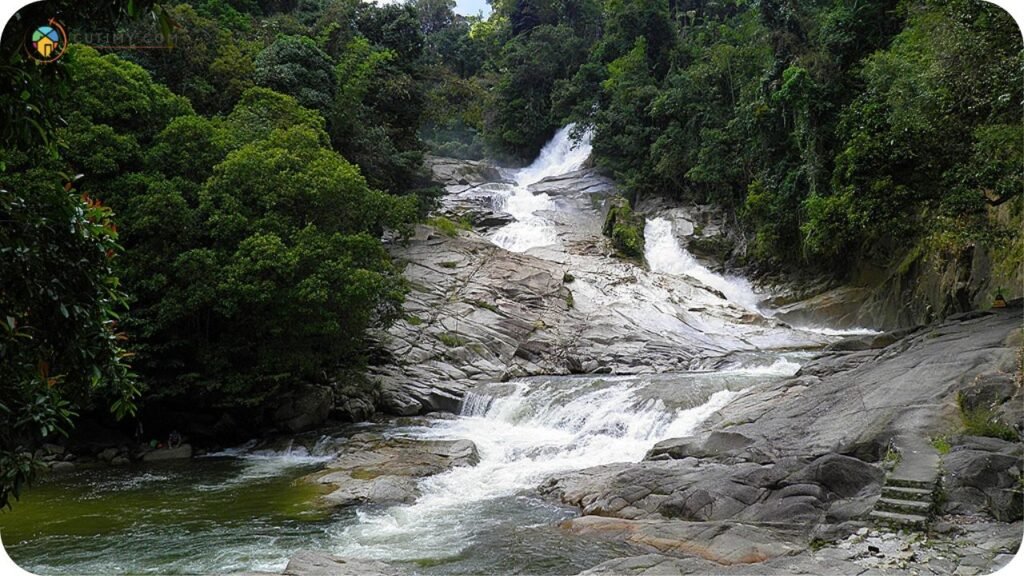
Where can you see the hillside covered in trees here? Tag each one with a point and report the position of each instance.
(198, 226)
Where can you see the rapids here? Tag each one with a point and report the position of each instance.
(239, 509)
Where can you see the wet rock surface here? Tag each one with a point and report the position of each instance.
(780, 480)
(372, 469)
(479, 313)
(794, 494)
(802, 461)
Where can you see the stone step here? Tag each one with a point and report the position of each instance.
(928, 485)
(904, 506)
(899, 520)
(901, 493)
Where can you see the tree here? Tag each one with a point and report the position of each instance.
(294, 65)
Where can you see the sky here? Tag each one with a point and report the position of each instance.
(472, 7)
(464, 7)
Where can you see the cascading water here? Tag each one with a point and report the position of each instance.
(527, 430)
(665, 255)
(240, 510)
(530, 230)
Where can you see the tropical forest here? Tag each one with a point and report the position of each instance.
(542, 287)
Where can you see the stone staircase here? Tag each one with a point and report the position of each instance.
(908, 495)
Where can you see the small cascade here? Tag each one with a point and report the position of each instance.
(527, 430)
(665, 255)
(559, 156)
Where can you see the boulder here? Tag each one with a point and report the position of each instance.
(983, 475)
(61, 467)
(717, 542)
(53, 449)
(988, 391)
(715, 445)
(182, 452)
(844, 476)
(795, 492)
(314, 563)
(378, 470)
(107, 454)
(304, 408)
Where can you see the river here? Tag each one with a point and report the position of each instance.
(242, 509)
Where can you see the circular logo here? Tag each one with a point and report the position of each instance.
(48, 42)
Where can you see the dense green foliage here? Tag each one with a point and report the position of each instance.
(61, 349)
(229, 191)
(839, 132)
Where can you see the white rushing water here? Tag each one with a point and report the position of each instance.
(530, 430)
(530, 230)
(665, 255)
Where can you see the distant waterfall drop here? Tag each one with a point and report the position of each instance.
(559, 156)
(665, 255)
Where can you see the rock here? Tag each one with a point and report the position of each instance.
(988, 391)
(53, 449)
(715, 445)
(790, 491)
(625, 228)
(314, 563)
(376, 470)
(844, 476)
(396, 401)
(353, 409)
(838, 308)
(869, 341)
(107, 454)
(119, 461)
(718, 542)
(304, 408)
(983, 475)
(182, 452)
(853, 402)
(62, 467)
(449, 171)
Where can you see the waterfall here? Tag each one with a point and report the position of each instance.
(665, 255)
(528, 430)
(559, 156)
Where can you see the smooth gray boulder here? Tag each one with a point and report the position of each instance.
(794, 493)
(983, 475)
(375, 470)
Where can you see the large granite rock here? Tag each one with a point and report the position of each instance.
(479, 313)
(457, 172)
(856, 402)
(378, 470)
(984, 475)
(793, 493)
(716, 542)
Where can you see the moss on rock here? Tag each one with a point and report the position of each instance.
(625, 229)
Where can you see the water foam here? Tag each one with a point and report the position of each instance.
(665, 255)
(539, 428)
(530, 230)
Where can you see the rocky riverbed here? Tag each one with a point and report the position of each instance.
(561, 409)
